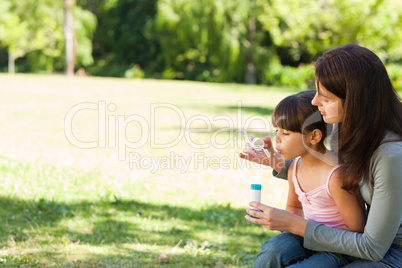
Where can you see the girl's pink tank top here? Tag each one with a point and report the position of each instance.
(318, 204)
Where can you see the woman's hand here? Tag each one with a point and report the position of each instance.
(275, 161)
(276, 219)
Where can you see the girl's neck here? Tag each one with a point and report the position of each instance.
(317, 156)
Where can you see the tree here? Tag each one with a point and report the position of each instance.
(14, 35)
(34, 29)
(29, 25)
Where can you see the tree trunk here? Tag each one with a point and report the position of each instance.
(11, 63)
(251, 72)
(69, 35)
(13, 56)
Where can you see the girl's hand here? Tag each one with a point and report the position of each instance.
(275, 161)
(276, 219)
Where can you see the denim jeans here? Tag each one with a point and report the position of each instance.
(393, 258)
(286, 250)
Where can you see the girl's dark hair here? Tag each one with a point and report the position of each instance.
(296, 113)
(370, 106)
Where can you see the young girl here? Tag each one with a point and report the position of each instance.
(315, 189)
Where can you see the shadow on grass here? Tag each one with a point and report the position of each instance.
(123, 222)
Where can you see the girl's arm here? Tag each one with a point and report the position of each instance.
(348, 205)
(293, 204)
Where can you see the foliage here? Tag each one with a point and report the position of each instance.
(316, 26)
(301, 77)
(130, 41)
(395, 74)
(210, 40)
(134, 72)
(204, 40)
(119, 40)
(84, 26)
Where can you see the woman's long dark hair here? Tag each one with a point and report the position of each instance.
(370, 106)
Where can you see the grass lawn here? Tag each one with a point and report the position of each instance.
(105, 172)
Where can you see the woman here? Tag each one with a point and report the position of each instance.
(353, 91)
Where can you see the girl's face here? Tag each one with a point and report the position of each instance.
(289, 144)
(329, 105)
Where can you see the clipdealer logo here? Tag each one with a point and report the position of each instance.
(112, 133)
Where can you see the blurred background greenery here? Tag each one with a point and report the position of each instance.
(244, 41)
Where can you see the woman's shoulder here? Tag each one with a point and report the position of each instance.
(390, 145)
(389, 154)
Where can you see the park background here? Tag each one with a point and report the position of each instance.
(97, 90)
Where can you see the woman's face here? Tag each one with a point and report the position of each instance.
(330, 106)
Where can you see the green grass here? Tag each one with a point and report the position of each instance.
(65, 206)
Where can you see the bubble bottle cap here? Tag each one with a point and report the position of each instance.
(255, 187)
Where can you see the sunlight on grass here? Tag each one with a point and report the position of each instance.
(69, 206)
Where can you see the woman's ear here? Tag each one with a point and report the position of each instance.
(316, 136)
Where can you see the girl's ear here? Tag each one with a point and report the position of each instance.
(316, 136)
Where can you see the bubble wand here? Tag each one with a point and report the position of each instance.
(257, 143)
